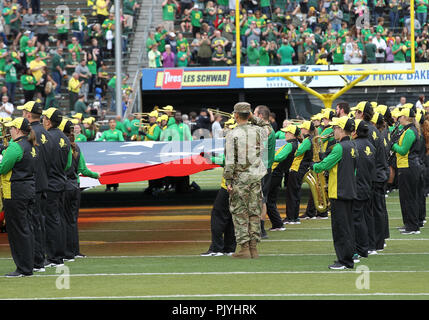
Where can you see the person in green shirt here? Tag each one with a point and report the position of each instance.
(28, 82)
(30, 52)
(17, 169)
(370, 50)
(337, 52)
(285, 53)
(160, 36)
(75, 47)
(62, 30)
(196, 20)
(219, 57)
(182, 57)
(78, 136)
(169, 8)
(80, 106)
(150, 41)
(398, 50)
(264, 57)
(11, 79)
(253, 53)
(309, 52)
(108, 23)
(407, 160)
(422, 11)
(112, 134)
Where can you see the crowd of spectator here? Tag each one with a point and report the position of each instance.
(48, 56)
(285, 32)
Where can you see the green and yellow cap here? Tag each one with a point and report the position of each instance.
(344, 123)
(20, 123)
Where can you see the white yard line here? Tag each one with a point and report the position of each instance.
(237, 295)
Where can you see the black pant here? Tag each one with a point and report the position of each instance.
(408, 184)
(71, 210)
(294, 184)
(342, 234)
(360, 228)
(369, 220)
(422, 195)
(222, 227)
(272, 211)
(20, 234)
(28, 95)
(54, 227)
(38, 225)
(379, 214)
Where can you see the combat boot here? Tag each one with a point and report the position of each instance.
(252, 248)
(244, 252)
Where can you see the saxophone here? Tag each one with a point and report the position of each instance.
(317, 181)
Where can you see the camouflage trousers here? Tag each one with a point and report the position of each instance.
(245, 205)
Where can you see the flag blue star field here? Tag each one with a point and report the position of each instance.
(121, 162)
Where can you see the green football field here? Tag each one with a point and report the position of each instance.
(152, 252)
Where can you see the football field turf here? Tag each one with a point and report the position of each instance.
(152, 252)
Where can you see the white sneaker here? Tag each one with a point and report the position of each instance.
(372, 252)
(39, 270)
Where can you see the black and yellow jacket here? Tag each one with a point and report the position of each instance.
(44, 149)
(303, 155)
(365, 170)
(341, 164)
(284, 157)
(407, 148)
(17, 170)
(382, 168)
(61, 160)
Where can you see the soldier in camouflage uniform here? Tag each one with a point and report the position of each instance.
(244, 169)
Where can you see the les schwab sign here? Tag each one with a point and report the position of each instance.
(176, 79)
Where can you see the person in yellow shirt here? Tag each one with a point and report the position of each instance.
(37, 67)
(102, 10)
(74, 88)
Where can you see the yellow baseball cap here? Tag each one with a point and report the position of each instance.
(317, 116)
(168, 108)
(343, 122)
(78, 116)
(352, 114)
(408, 105)
(53, 114)
(20, 123)
(362, 106)
(420, 116)
(65, 125)
(426, 104)
(406, 112)
(381, 109)
(89, 120)
(291, 129)
(31, 106)
(164, 117)
(376, 117)
(153, 114)
(374, 104)
(328, 114)
(306, 125)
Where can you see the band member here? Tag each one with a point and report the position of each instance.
(283, 159)
(17, 169)
(61, 159)
(221, 224)
(407, 157)
(365, 171)
(72, 193)
(32, 111)
(300, 165)
(376, 216)
(341, 164)
(422, 156)
(154, 131)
